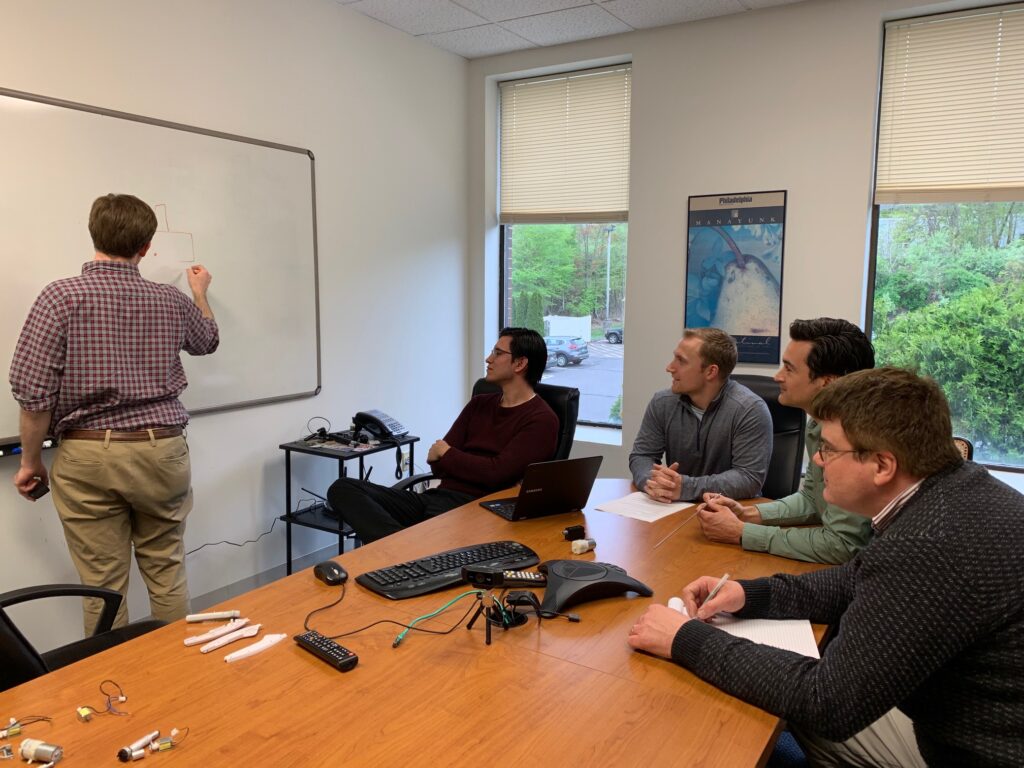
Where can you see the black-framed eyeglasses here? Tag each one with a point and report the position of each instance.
(827, 452)
(498, 352)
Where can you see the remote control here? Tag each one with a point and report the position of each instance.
(338, 656)
(489, 577)
(524, 579)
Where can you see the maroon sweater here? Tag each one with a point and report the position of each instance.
(491, 446)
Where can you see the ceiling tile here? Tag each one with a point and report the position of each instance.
(487, 40)
(642, 14)
(565, 26)
(422, 17)
(500, 10)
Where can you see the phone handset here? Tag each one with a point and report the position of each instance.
(378, 424)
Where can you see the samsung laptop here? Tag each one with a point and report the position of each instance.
(549, 488)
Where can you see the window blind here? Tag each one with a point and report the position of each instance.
(951, 118)
(565, 147)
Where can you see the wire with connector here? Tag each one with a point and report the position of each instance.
(113, 695)
(16, 724)
(412, 624)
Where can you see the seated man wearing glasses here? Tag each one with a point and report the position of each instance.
(819, 352)
(927, 667)
(488, 447)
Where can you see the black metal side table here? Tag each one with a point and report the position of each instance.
(316, 517)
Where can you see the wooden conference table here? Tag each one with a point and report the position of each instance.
(560, 693)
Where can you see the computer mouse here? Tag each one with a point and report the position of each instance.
(330, 573)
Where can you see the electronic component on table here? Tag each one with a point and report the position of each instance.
(580, 546)
(574, 533)
(444, 569)
(338, 656)
(489, 578)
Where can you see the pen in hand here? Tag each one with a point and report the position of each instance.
(717, 588)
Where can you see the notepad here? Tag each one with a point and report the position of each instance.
(640, 506)
(788, 634)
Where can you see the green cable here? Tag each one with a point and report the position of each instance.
(442, 609)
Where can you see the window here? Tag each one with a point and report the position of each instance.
(948, 244)
(564, 224)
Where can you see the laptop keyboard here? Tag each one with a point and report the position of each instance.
(505, 508)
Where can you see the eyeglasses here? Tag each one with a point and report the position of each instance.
(827, 452)
(498, 352)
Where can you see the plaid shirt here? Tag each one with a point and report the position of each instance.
(101, 351)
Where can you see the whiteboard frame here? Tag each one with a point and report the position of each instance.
(8, 442)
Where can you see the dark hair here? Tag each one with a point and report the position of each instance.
(893, 409)
(121, 225)
(838, 347)
(529, 344)
(717, 348)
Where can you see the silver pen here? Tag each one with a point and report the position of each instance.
(718, 587)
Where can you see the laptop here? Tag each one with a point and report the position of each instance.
(549, 488)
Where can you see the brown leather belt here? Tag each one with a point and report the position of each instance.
(159, 433)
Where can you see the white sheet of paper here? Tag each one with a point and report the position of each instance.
(789, 634)
(640, 506)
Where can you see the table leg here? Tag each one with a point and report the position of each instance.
(288, 510)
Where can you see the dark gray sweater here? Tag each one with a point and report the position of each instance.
(930, 619)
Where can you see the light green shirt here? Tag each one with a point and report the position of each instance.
(836, 538)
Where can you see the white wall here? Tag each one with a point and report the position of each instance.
(783, 98)
(384, 115)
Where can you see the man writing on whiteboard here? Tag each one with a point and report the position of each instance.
(98, 366)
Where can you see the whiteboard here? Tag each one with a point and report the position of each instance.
(245, 209)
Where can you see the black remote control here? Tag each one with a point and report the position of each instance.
(489, 576)
(338, 656)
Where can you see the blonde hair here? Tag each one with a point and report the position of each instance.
(717, 348)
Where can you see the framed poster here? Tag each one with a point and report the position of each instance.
(734, 247)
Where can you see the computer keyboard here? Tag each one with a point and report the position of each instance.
(444, 569)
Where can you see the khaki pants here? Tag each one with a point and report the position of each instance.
(889, 742)
(112, 495)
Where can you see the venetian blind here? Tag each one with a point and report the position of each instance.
(565, 147)
(951, 121)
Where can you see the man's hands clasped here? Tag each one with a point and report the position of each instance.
(664, 484)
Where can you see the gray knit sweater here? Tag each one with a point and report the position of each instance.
(930, 619)
(727, 452)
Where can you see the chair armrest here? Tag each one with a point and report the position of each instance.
(111, 599)
(408, 482)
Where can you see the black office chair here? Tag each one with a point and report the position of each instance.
(22, 662)
(787, 439)
(564, 401)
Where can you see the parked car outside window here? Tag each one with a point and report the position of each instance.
(613, 335)
(563, 350)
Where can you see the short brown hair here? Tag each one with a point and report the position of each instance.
(895, 410)
(717, 348)
(121, 225)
